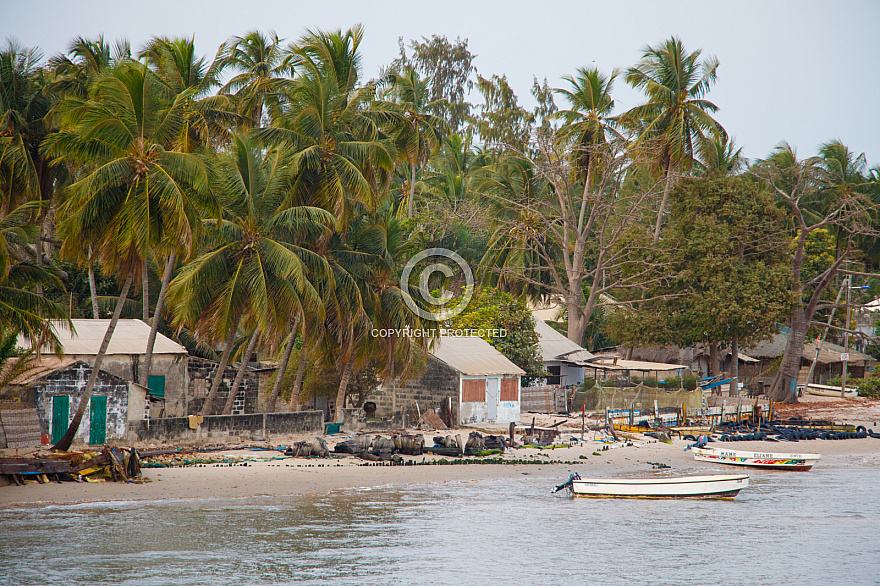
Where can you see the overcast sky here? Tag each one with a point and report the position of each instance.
(800, 71)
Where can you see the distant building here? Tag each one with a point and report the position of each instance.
(250, 398)
(563, 359)
(479, 383)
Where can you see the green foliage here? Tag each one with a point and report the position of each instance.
(492, 309)
(687, 382)
(867, 387)
(731, 277)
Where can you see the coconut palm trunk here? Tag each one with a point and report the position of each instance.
(145, 291)
(93, 289)
(343, 388)
(64, 443)
(297, 383)
(239, 376)
(282, 368)
(666, 189)
(410, 205)
(221, 368)
(157, 319)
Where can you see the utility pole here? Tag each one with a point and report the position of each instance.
(845, 357)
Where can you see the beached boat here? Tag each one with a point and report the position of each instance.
(756, 459)
(829, 391)
(715, 487)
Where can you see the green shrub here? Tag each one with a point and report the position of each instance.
(588, 384)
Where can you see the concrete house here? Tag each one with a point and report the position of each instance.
(481, 384)
(125, 355)
(55, 386)
(563, 359)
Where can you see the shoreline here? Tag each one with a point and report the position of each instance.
(266, 476)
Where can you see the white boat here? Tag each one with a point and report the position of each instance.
(757, 459)
(716, 487)
(829, 391)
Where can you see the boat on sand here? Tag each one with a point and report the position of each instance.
(829, 391)
(719, 486)
(771, 460)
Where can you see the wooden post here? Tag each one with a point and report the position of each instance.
(512, 427)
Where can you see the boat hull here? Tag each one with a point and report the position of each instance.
(707, 487)
(768, 461)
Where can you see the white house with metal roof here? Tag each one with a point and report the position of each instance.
(562, 358)
(474, 380)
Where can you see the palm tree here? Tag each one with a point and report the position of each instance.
(262, 69)
(329, 122)
(84, 61)
(206, 122)
(417, 133)
(208, 117)
(136, 194)
(588, 121)
(676, 118)
(23, 311)
(256, 267)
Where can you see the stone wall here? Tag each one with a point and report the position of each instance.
(201, 375)
(172, 366)
(428, 391)
(72, 382)
(220, 426)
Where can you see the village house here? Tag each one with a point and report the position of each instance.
(478, 383)
(125, 356)
(54, 386)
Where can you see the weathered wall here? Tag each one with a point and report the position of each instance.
(507, 406)
(201, 375)
(172, 366)
(218, 426)
(72, 382)
(428, 391)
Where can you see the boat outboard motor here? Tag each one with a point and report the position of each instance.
(700, 443)
(569, 484)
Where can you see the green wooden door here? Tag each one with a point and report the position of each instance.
(60, 416)
(98, 421)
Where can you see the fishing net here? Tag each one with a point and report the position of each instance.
(599, 398)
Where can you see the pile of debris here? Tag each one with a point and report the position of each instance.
(382, 448)
(316, 448)
(110, 463)
(476, 445)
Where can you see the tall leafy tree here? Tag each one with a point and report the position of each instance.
(417, 133)
(814, 199)
(676, 120)
(260, 68)
(136, 193)
(256, 268)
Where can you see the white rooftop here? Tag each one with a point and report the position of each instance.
(129, 337)
(557, 347)
(473, 356)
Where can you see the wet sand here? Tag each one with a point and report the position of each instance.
(298, 476)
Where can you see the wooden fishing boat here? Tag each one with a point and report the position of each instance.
(829, 391)
(714, 487)
(756, 459)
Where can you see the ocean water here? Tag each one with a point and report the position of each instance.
(818, 527)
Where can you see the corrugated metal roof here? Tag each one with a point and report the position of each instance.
(129, 337)
(830, 353)
(638, 365)
(473, 356)
(555, 346)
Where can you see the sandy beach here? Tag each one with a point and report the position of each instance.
(266, 475)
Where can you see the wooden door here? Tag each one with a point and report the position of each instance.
(60, 416)
(98, 421)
